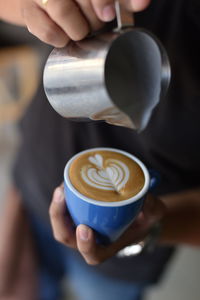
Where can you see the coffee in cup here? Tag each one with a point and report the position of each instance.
(105, 189)
(105, 175)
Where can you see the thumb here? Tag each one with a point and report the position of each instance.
(138, 5)
(104, 9)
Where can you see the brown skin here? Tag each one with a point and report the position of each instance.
(179, 213)
(181, 224)
(57, 22)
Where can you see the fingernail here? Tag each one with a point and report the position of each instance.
(84, 233)
(58, 195)
(108, 13)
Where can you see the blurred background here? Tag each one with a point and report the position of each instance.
(19, 72)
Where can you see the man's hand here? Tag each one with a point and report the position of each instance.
(56, 22)
(83, 238)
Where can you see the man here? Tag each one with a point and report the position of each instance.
(169, 145)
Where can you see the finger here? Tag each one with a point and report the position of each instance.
(40, 25)
(61, 222)
(92, 252)
(138, 5)
(68, 16)
(86, 243)
(105, 9)
(153, 209)
(88, 11)
(134, 234)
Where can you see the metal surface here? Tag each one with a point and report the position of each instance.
(118, 77)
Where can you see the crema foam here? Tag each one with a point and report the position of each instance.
(106, 176)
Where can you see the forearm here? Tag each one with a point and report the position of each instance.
(10, 11)
(181, 224)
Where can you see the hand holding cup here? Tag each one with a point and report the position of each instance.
(114, 223)
(82, 238)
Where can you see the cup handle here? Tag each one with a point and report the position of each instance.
(155, 179)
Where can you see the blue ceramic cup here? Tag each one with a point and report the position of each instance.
(108, 219)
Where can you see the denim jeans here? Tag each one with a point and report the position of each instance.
(56, 261)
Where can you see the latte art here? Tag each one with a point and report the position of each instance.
(112, 178)
(106, 175)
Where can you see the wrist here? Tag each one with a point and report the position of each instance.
(146, 245)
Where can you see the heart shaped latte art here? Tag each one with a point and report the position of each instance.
(113, 177)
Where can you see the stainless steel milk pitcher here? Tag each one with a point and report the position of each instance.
(116, 76)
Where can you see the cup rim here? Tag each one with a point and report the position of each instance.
(102, 203)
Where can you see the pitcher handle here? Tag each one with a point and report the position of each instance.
(124, 18)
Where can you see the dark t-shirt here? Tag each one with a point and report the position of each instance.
(170, 144)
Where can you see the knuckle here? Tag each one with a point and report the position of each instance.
(24, 13)
(57, 237)
(53, 213)
(64, 239)
(97, 26)
(93, 261)
(79, 35)
(63, 9)
(28, 11)
(68, 10)
(48, 35)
